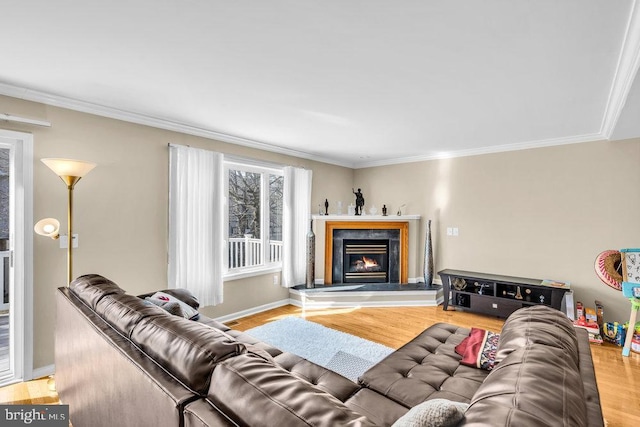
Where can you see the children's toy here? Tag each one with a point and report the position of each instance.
(631, 290)
(587, 321)
(635, 343)
(614, 333)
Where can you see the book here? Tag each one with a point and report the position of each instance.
(555, 284)
(591, 327)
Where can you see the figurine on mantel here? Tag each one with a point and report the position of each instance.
(359, 201)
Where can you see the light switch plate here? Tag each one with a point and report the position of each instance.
(64, 241)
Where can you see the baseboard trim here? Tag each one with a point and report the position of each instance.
(436, 281)
(253, 310)
(345, 304)
(44, 371)
(321, 293)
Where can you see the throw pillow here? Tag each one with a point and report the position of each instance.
(162, 298)
(433, 413)
(479, 349)
(169, 307)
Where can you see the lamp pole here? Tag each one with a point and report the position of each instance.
(70, 181)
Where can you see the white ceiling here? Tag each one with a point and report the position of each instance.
(356, 83)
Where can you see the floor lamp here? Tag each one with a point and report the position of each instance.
(70, 171)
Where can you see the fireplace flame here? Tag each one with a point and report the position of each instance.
(369, 262)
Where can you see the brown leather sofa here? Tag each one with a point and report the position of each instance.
(122, 361)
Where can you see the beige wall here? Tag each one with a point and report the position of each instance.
(121, 208)
(542, 213)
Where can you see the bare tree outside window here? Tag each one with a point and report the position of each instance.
(276, 187)
(244, 203)
(246, 211)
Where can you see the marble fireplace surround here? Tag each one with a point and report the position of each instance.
(407, 225)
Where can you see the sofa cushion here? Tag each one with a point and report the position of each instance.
(189, 350)
(124, 311)
(90, 288)
(538, 381)
(532, 386)
(325, 379)
(378, 409)
(255, 392)
(537, 325)
(426, 368)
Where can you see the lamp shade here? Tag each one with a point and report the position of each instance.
(48, 227)
(69, 167)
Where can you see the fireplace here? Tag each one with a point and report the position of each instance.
(403, 265)
(365, 255)
(365, 261)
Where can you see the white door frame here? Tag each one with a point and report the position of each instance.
(21, 247)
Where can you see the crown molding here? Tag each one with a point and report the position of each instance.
(156, 122)
(487, 150)
(625, 74)
(114, 113)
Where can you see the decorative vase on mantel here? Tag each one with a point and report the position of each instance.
(428, 257)
(311, 258)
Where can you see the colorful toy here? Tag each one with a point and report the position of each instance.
(588, 323)
(614, 333)
(631, 290)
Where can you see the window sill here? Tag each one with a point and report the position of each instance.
(259, 271)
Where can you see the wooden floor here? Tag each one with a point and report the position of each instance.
(618, 377)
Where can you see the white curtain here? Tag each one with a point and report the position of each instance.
(295, 225)
(196, 241)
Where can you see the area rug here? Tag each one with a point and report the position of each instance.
(346, 354)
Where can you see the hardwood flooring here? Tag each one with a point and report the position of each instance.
(4, 342)
(618, 377)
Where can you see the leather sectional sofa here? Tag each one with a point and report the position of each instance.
(123, 361)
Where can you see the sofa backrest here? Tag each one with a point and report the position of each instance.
(188, 350)
(537, 380)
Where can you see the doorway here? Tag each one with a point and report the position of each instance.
(16, 256)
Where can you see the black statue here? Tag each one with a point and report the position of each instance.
(359, 201)
(326, 206)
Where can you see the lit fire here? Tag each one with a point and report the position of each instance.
(369, 262)
(366, 264)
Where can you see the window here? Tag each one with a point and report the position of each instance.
(253, 218)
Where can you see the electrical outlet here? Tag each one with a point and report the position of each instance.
(455, 231)
(276, 279)
(449, 231)
(64, 241)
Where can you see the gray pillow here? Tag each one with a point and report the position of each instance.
(433, 413)
(169, 303)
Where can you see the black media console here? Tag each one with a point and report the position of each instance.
(497, 295)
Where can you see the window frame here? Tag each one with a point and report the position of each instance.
(264, 170)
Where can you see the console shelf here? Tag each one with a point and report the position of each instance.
(494, 294)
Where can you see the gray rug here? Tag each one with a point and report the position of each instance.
(346, 354)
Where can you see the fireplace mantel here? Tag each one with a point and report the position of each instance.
(324, 223)
(390, 218)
